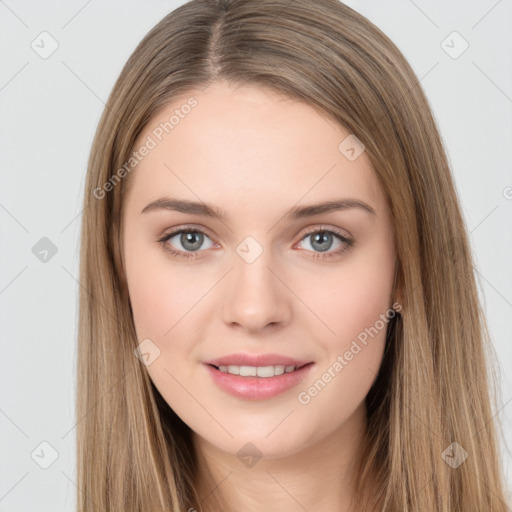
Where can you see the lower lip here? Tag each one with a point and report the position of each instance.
(257, 388)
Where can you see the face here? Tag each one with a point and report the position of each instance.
(256, 280)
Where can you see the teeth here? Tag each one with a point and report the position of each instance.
(260, 371)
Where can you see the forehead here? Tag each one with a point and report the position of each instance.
(247, 146)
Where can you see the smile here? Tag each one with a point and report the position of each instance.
(257, 382)
(257, 371)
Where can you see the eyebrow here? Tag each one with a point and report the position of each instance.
(298, 212)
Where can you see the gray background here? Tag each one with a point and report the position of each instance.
(49, 111)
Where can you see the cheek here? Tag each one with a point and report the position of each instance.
(358, 303)
(165, 302)
(155, 302)
(357, 312)
(358, 293)
(161, 294)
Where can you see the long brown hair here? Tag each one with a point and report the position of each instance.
(133, 452)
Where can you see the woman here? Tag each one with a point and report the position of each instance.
(319, 345)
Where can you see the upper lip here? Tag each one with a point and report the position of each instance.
(256, 360)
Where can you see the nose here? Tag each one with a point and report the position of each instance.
(255, 296)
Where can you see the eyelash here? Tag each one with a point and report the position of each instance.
(318, 255)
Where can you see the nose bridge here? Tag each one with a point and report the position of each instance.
(256, 296)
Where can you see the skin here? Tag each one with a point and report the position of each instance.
(256, 154)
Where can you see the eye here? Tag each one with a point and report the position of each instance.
(322, 240)
(190, 240)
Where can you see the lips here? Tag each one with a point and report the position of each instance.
(256, 387)
(257, 376)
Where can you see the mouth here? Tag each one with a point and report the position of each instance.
(257, 382)
(263, 372)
